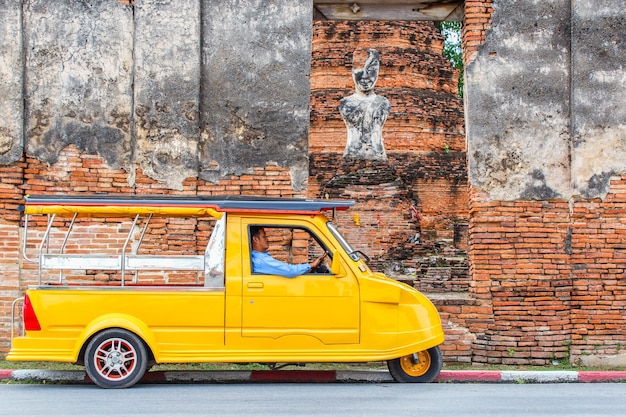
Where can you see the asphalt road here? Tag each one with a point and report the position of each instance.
(345, 400)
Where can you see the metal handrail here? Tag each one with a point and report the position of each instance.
(40, 252)
(67, 235)
(55, 257)
(13, 319)
(26, 258)
(143, 233)
(130, 232)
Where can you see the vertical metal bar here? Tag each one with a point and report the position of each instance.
(67, 235)
(143, 232)
(26, 258)
(130, 232)
(47, 238)
(44, 239)
(17, 300)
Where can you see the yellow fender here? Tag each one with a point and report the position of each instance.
(126, 322)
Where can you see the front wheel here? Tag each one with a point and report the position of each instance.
(116, 358)
(422, 366)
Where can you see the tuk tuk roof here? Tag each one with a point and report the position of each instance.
(110, 205)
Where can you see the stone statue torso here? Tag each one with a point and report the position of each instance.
(365, 116)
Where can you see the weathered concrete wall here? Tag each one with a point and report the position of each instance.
(167, 89)
(517, 102)
(545, 100)
(177, 89)
(78, 72)
(11, 79)
(598, 117)
(255, 101)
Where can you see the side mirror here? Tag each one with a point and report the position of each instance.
(335, 265)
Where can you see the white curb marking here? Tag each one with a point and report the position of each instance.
(539, 376)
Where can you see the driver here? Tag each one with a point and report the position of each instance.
(263, 263)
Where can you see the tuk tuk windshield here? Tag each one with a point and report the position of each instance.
(354, 254)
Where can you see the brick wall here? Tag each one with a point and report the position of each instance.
(554, 276)
(385, 194)
(423, 136)
(477, 22)
(10, 197)
(9, 281)
(519, 265)
(384, 224)
(597, 233)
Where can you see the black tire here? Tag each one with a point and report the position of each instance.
(116, 358)
(425, 369)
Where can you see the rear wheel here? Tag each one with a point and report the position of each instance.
(116, 358)
(422, 366)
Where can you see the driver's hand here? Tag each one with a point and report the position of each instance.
(318, 261)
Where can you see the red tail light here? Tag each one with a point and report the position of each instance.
(30, 318)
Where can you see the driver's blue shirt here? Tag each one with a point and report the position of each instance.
(263, 263)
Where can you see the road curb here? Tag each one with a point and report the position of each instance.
(305, 376)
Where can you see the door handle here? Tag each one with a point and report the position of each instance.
(255, 285)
